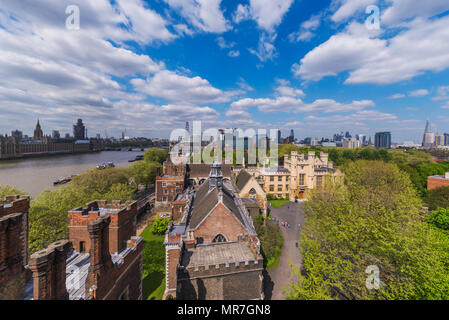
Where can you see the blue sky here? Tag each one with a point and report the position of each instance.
(149, 66)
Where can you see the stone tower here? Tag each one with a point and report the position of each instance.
(38, 134)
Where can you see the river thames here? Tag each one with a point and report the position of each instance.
(34, 175)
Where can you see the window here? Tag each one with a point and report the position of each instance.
(164, 184)
(301, 179)
(272, 178)
(219, 238)
(82, 246)
(252, 193)
(165, 191)
(279, 187)
(286, 187)
(271, 188)
(164, 199)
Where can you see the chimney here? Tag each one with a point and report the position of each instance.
(49, 271)
(100, 258)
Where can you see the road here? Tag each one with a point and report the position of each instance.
(277, 279)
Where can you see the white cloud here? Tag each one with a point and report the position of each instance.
(347, 8)
(204, 15)
(405, 9)
(241, 13)
(419, 93)
(424, 46)
(268, 14)
(172, 86)
(357, 117)
(265, 50)
(292, 104)
(234, 53)
(446, 106)
(244, 85)
(397, 96)
(305, 31)
(442, 93)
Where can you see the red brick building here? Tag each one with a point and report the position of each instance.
(434, 182)
(121, 229)
(108, 268)
(213, 253)
(13, 247)
(169, 186)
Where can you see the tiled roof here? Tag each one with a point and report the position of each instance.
(202, 170)
(242, 179)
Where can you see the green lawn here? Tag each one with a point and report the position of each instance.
(278, 203)
(153, 273)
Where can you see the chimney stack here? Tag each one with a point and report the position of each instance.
(100, 258)
(49, 271)
(216, 176)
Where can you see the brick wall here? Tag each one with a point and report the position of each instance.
(219, 221)
(433, 183)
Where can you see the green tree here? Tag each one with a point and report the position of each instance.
(7, 190)
(439, 219)
(371, 219)
(159, 225)
(143, 172)
(155, 155)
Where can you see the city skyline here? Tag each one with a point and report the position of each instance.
(149, 67)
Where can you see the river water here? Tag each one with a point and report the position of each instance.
(34, 175)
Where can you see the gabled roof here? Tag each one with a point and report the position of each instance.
(207, 198)
(242, 179)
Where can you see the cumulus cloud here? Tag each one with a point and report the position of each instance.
(421, 47)
(347, 8)
(292, 104)
(172, 86)
(406, 9)
(205, 15)
(397, 96)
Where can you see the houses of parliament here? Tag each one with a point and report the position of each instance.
(17, 146)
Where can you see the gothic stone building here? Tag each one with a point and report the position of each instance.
(214, 252)
(102, 260)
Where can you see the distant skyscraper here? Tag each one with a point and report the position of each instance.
(382, 140)
(79, 130)
(292, 134)
(347, 135)
(187, 127)
(446, 139)
(279, 137)
(429, 137)
(38, 134)
(55, 134)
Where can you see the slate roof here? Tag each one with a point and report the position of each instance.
(242, 179)
(203, 170)
(207, 198)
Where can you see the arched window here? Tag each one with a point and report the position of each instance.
(219, 238)
(252, 193)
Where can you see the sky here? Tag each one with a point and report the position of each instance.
(147, 66)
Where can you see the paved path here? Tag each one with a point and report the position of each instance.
(277, 279)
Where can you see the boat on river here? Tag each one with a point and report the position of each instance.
(106, 165)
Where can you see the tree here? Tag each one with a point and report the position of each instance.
(7, 190)
(155, 155)
(371, 219)
(437, 198)
(143, 172)
(439, 219)
(159, 226)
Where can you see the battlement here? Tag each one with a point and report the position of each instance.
(14, 204)
(220, 269)
(118, 211)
